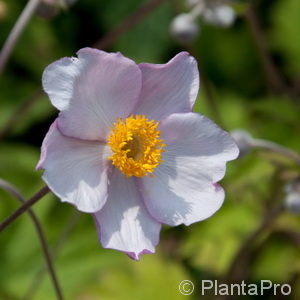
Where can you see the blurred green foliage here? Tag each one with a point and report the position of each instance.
(231, 64)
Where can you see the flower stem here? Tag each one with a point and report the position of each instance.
(128, 23)
(241, 259)
(197, 10)
(38, 278)
(264, 144)
(27, 204)
(16, 32)
(12, 190)
(273, 75)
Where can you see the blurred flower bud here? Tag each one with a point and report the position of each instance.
(3, 10)
(292, 199)
(292, 202)
(184, 28)
(243, 140)
(222, 15)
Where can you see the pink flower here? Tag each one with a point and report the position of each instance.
(127, 147)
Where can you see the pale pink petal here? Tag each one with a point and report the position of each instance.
(183, 189)
(75, 170)
(124, 223)
(168, 88)
(92, 91)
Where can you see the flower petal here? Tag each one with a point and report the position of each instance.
(92, 91)
(75, 170)
(124, 223)
(168, 88)
(183, 189)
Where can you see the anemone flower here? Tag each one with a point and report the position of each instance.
(127, 147)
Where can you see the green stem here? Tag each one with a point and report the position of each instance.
(12, 190)
(26, 205)
(16, 32)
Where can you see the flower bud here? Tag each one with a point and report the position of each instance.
(222, 15)
(184, 28)
(243, 140)
(292, 202)
(292, 199)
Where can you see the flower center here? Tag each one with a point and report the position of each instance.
(136, 146)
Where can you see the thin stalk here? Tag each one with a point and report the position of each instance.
(271, 146)
(273, 75)
(49, 264)
(197, 10)
(27, 204)
(38, 278)
(240, 260)
(16, 32)
(128, 23)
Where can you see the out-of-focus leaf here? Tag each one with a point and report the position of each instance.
(229, 58)
(134, 43)
(151, 278)
(228, 228)
(277, 261)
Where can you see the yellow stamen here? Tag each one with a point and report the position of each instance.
(136, 146)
